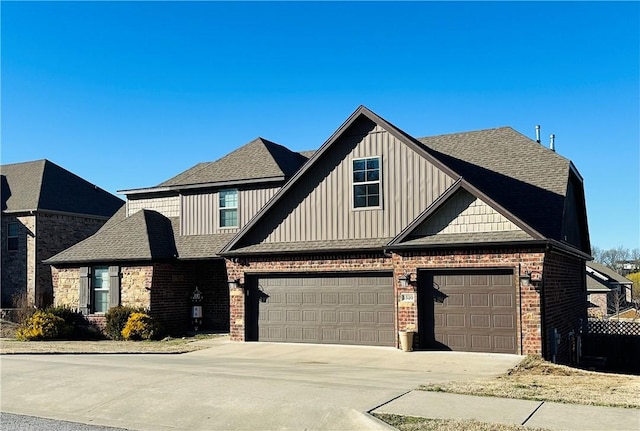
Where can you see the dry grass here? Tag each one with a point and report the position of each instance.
(8, 345)
(535, 379)
(410, 423)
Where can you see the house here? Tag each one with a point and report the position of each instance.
(608, 292)
(45, 209)
(164, 243)
(473, 241)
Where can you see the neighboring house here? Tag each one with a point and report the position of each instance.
(608, 292)
(45, 209)
(165, 242)
(476, 241)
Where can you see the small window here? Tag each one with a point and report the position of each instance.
(228, 208)
(366, 183)
(12, 236)
(100, 289)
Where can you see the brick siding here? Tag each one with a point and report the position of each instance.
(162, 288)
(564, 302)
(520, 261)
(40, 236)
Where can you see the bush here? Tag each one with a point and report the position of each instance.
(116, 320)
(140, 326)
(43, 325)
(81, 328)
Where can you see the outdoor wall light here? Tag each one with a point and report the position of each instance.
(405, 280)
(234, 284)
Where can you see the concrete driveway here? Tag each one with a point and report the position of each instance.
(240, 386)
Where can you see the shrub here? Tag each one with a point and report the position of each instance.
(140, 326)
(43, 325)
(81, 328)
(116, 320)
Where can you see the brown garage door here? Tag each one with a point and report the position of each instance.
(473, 311)
(322, 309)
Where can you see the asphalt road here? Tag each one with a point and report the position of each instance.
(241, 386)
(11, 422)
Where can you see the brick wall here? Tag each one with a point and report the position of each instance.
(564, 302)
(522, 261)
(528, 299)
(600, 302)
(40, 237)
(164, 289)
(57, 232)
(173, 285)
(18, 267)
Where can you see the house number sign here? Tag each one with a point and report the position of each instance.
(407, 297)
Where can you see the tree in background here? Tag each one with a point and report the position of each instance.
(635, 277)
(614, 256)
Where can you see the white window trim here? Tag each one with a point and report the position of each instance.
(221, 208)
(93, 290)
(353, 183)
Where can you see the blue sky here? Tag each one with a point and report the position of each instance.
(129, 94)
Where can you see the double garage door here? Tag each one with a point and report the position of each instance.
(334, 309)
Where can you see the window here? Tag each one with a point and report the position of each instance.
(228, 208)
(366, 182)
(100, 289)
(12, 236)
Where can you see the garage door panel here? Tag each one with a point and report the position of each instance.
(326, 309)
(480, 321)
(386, 318)
(479, 280)
(478, 313)
(481, 342)
(503, 300)
(455, 300)
(479, 300)
(505, 321)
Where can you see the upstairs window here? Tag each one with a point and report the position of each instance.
(366, 183)
(228, 208)
(12, 236)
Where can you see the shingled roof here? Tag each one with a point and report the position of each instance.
(259, 159)
(144, 236)
(527, 179)
(43, 185)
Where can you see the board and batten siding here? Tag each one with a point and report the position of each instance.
(168, 206)
(201, 212)
(409, 184)
(464, 213)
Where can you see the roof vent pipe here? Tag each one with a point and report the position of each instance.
(538, 133)
(552, 142)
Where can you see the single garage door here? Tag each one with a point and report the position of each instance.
(472, 311)
(334, 309)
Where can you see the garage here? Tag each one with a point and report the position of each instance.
(470, 310)
(327, 308)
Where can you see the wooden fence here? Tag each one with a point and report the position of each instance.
(612, 345)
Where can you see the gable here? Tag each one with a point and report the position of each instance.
(460, 217)
(318, 206)
(464, 213)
